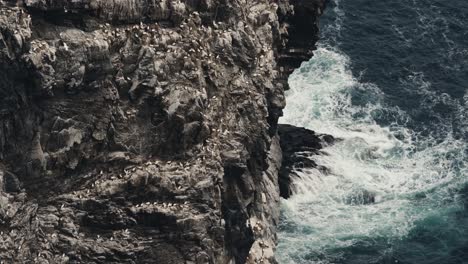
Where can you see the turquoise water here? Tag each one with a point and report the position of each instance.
(390, 78)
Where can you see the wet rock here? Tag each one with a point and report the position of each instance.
(361, 197)
(298, 145)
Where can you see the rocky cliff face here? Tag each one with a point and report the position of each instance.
(142, 131)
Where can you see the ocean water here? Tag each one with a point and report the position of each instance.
(390, 78)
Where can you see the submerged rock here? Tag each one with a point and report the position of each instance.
(361, 197)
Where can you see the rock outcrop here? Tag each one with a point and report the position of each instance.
(140, 131)
(298, 144)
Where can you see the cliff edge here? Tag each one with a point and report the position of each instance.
(142, 131)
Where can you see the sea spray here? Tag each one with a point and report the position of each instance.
(414, 170)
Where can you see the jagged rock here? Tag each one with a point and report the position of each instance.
(298, 144)
(138, 131)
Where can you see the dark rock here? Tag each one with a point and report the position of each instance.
(299, 27)
(11, 183)
(298, 144)
(139, 131)
(360, 197)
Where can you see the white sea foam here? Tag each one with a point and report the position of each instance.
(409, 175)
(412, 174)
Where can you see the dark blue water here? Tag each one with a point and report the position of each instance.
(390, 78)
(398, 43)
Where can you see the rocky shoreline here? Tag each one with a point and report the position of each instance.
(139, 131)
(298, 144)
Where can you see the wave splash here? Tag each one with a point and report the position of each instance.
(387, 181)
